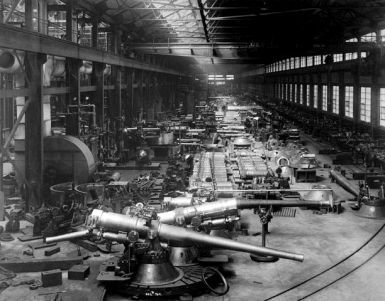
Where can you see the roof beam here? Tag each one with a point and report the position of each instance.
(203, 17)
(231, 50)
(12, 37)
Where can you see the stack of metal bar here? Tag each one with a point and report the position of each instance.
(250, 164)
(210, 172)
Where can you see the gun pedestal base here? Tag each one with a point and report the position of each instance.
(265, 231)
(189, 280)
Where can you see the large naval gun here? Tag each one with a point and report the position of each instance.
(145, 269)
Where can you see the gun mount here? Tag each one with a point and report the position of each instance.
(145, 268)
(112, 224)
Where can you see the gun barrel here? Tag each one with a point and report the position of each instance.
(344, 183)
(218, 208)
(209, 209)
(173, 233)
(68, 236)
(122, 223)
(253, 203)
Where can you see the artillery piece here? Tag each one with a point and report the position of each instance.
(224, 213)
(369, 203)
(145, 269)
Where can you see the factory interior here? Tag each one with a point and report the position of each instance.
(192, 150)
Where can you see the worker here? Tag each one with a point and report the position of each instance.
(248, 125)
(217, 139)
(279, 171)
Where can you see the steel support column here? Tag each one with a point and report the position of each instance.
(147, 96)
(34, 131)
(375, 62)
(70, 28)
(130, 96)
(73, 97)
(98, 81)
(356, 89)
(94, 33)
(341, 96)
(1, 163)
(140, 94)
(115, 104)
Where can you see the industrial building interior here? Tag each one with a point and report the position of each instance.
(192, 150)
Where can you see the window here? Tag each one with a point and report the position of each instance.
(229, 77)
(369, 37)
(338, 57)
(295, 93)
(352, 40)
(349, 101)
(291, 92)
(297, 62)
(300, 100)
(287, 92)
(303, 61)
(363, 54)
(317, 60)
(308, 95)
(365, 104)
(324, 97)
(382, 106)
(350, 56)
(336, 100)
(315, 96)
(382, 33)
(309, 61)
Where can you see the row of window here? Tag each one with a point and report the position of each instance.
(220, 77)
(308, 61)
(369, 37)
(289, 92)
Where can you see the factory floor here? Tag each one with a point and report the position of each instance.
(324, 240)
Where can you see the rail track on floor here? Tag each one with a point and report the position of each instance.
(338, 271)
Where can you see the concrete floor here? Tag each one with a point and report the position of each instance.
(323, 239)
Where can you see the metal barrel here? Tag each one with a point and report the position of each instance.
(344, 183)
(222, 206)
(209, 209)
(253, 203)
(173, 233)
(68, 236)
